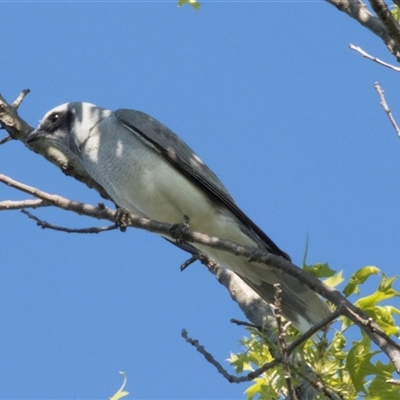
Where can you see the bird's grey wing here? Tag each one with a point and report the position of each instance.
(183, 159)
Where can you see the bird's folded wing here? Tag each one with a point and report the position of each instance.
(176, 152)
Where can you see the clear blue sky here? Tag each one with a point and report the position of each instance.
(272, 99)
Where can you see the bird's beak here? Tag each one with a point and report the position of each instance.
(34, 136)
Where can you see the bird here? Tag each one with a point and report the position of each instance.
(148, 170)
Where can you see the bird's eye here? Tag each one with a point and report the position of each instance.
(54, 118)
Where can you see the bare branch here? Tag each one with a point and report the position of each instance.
(16, 127)
(100, 212)
(244, 323)
(254, 374)
(18, 205)
(360, 318)
(384, 14)
(282, 342)
(213, 361)
(313, 330)
(358, 11)
(386, 108)
(46, 225)
(372, 58)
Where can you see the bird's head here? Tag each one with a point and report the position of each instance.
(65, 128)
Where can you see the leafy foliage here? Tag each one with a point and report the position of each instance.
(333, 366)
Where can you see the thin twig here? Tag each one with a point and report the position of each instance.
(46, 225)
(386, 107)
(282, 341)
(19, 204)
(210, 358)
(372, 58)
(256, 373)
(313, 330)
(318, 384)
(244, 323)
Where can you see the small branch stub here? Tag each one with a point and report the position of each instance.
(17, 102)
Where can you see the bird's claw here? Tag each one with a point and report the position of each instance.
(178, 230)
(122, 218)
(256, 254)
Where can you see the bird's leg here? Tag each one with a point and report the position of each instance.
(177, 230)
(256, 254)
(122, 218)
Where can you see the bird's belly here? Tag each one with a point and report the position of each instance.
(167, 196)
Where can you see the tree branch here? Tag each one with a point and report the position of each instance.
(372, 58)
(282, 342)
(360, 318)
(358, 11)
(46, 225)
(384, 14)
(18, 205)
(16, 127)
(231, 378)
(386, 108)
(258, 372)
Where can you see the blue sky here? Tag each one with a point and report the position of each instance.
(271, 98)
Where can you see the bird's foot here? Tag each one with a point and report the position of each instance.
(178, 230)
(256, 254)
(122, 218)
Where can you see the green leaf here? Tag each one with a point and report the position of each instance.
(384, 292)
(335, 280)
(120, 393)
(240, 362)
(359, 365)
(387, 283)
(194, 3)
(383, 316)
(319, 270)
(380, 389)
(260, 386)
(358, 278)
(346, 322)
